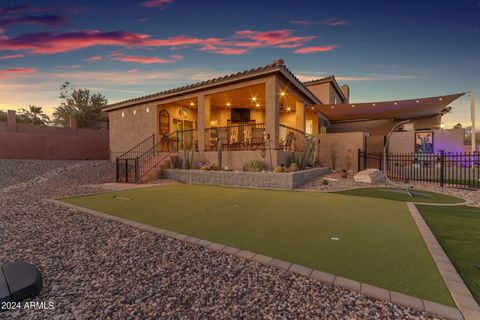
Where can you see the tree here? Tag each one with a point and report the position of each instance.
(33, 115)
(81, 104)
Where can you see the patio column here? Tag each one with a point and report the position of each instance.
(201, 122)
(300, 115)
(272, 111)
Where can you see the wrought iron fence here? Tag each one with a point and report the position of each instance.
(459, 169)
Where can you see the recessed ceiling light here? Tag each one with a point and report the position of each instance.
(282, 94)
(254, 98)
(288, 109)
(228, 104)
(332, 107)
(258, 105)
(191, 104)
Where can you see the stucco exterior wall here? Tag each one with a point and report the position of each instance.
(35, 142)
(345, 148)
(450, 140)
(128, 130)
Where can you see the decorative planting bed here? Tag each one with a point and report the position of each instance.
(287, 180)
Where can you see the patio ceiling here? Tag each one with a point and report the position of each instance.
(398, 109)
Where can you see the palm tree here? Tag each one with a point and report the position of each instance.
(34, 115)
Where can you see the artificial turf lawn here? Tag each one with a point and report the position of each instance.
(457, 229)
(397, 194)
(379, 242)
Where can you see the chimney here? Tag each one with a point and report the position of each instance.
(346, 92)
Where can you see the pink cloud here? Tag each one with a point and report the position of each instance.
(156, 3)
(239, 43)
(132, 70)
(94, 58)
(77, 66)
(145, 60)
(275, 38)
(16, 71)
(315, 49)
(12, 56)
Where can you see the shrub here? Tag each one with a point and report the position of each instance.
(325, 182)
(254, 166)
(293, 167)
(279, 169)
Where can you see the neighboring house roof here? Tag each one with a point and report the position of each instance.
(330, 79)
(276, 66)
(399, 109)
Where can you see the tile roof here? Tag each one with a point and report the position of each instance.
(277, 65)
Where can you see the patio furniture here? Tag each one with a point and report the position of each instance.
(288, 141)
(258, 138)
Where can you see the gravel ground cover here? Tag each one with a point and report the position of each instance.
(98, 269)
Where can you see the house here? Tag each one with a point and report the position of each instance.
(262, 113)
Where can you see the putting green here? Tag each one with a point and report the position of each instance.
(457, 229)
(399, 194)
(378, 242)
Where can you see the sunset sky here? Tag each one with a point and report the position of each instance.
(384, 50)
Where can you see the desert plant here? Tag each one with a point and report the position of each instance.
(280, 169)
(220, 150)
(187, 159)
(325, 182)
(307, 156)
(333, 154)
(254, 166)
(349, 159)
(293, 167)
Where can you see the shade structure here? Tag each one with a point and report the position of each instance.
(398, 109)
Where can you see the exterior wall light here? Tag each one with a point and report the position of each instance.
(442, 125)
(353, 106)
(134, 111)
(123, 114)
(440, 99)
(373, 104)
(395, 103)
(148, 109)
(417, 101)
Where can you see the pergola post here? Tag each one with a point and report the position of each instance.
(272, 111)
(201, 122)
(472, 113)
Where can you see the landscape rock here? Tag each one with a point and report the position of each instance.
(94, 268)
(372, 176)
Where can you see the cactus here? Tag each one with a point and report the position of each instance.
(220, 150)
(254, 166)
(308, 155)
(187, 159)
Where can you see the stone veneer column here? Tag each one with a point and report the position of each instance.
(300, 115)
(201, 122)
(272, 111)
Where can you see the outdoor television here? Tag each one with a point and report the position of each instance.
(240, 115)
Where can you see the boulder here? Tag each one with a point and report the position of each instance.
(369, 176)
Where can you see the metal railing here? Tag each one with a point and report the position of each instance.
(459, 169)
(291, 139)
(243, 136)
